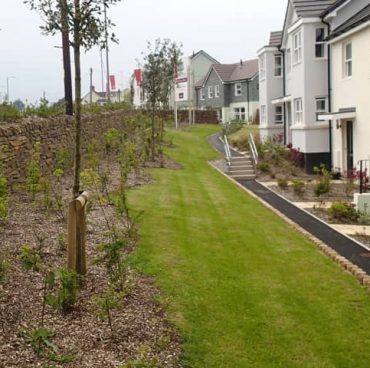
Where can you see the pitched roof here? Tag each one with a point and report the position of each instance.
(205, 54)
(311, 8)
(275, 38)
(332, 7)
(362, 16)
(232, 72)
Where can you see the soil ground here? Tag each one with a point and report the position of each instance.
(141, 330)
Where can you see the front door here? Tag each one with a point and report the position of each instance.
(349, 127)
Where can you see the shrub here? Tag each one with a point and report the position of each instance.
(282, 183)
(64, 296)
(343, 211)
(30, 259)
(264, 166)
(323, 184)
(298, 186)
(322, 187)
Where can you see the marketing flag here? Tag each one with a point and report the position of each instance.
(112, 80)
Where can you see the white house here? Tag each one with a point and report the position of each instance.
(349, 41)
(304, 81)
(271, 87)
(100, 98)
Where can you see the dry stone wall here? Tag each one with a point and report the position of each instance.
(55, 133)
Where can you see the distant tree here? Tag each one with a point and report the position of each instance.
(87, 27)
(159, 71)
(20, 106)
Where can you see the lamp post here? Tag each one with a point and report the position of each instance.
(7, 88)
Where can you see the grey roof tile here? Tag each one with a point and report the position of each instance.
(311, 8)
(275, 38)
(362, 16)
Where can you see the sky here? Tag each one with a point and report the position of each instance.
(31, 64)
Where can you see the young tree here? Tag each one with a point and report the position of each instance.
(86, 26)
(159, 72)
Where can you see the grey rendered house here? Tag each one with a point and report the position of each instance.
(231, 90)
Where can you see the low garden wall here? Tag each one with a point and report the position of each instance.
(18, 138)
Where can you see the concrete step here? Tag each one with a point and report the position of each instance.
(243, 177)
(242, 172)
(241, 158)
(244, 164)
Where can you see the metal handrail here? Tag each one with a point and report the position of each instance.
(227, 150)
(253, 149)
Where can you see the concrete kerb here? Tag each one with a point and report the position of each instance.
(344, 263)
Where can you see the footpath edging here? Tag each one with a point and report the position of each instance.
(355, 270)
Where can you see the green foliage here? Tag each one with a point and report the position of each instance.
(9, 112)
(92, 154)
(323, 184)
(34, 175)
(30, 258)
(43, 109)
(64, 159)
(90, 179)
(343, 211)
(112, 140)
(298, 186)
(322, 187)
(4, 266)
(65, 287)
(264, 166)
(282, 183)
(41, 340)
(106, 303)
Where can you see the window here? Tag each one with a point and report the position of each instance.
(210, 92)
(348, 59)
(320, 106)
(202, 94)
(217, 91)
(238, 89)
(181, 95)
(279, 114)
(263, 114)
(278, 65)
(319, 43)
(262, 66)
(239, 113)
(298, 110)
(297, 47)
(288, 60)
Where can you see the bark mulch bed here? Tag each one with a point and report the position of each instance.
(142, 332)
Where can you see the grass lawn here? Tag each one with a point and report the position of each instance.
(240, 137)
(244, 288)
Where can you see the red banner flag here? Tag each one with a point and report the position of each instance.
(112, 80)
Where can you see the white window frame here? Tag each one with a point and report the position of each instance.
(298, 111)
(263, 117)
(202, 94)
(347, 61)
(210, 92)
(238, 89)
(239, 113)
(319, 110)
(288, 60)
(217, 90)
(279, 116)
(297, 47)
(278, 69)
(320, 43)
(262, 66)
